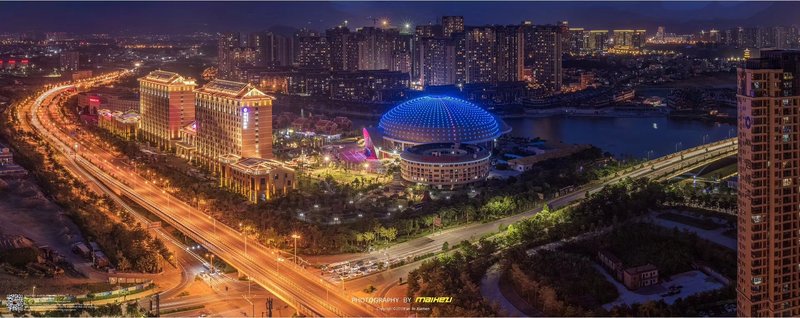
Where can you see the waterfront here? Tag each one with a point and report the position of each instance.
(623, 136)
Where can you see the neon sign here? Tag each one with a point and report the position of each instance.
(245, 117)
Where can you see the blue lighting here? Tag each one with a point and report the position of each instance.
(436, 119)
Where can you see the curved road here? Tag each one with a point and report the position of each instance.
(292, 284)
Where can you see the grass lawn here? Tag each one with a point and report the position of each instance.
(672, 251)
(690, 221)
(347, 177)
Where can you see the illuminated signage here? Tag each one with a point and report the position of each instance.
(245, 117)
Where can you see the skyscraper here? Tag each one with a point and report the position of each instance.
(481, 55)
(768, 280)
(436, 62)
(226, 43)
(452, 24)
(343, 49)
(166, 105)
(509, 60)
(312, 50)
(376, 48)
(544, 56)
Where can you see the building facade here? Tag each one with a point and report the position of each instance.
(232, 119)
(768, 94)
(122, 124)
(445, 165)
(166, 104)
(255, 178)
(69, 60)
(544, 56)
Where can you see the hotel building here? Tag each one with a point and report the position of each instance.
(768, 94)
(166, 105)
(233, 118)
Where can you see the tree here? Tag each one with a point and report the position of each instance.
(391, 233)
(369, 236)
(122, 262)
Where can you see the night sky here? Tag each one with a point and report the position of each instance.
(183, 17)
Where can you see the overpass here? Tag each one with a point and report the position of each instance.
(302, 290)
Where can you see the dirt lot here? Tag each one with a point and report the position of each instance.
(27, 212)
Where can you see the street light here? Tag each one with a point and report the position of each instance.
(212, 261)
(295, 237)
(278, 262)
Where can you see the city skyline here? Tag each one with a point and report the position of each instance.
(184, 17)
(396, 159)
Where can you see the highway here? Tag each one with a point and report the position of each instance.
(305, 291)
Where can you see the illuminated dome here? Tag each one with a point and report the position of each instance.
(439, 119)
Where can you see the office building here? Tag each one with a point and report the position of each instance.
(768, 94)
(166, 103)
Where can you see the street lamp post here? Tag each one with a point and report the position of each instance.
(169, 203)
(244, 237)
(295, 237)
(212, 262)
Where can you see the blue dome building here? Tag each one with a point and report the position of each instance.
(439, 119)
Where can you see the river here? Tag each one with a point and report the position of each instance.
(624, 137)
(637, 137)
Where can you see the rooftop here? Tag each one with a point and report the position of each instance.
(440, 119)
(165, 77)
(445, 153)
(233, 89)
